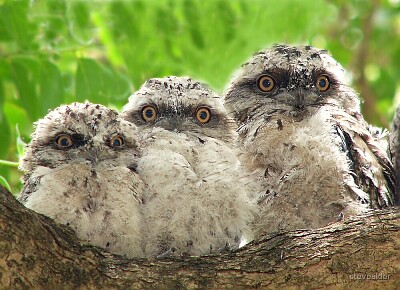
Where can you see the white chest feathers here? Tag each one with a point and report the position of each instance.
(102, 203)
(197, 201)
(301, 170)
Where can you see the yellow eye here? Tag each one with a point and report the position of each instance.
(265, 83)
(64, 141)
(117, 141)
(323, 83)
(203, 115)
(149, 113)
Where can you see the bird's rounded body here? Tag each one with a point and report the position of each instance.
(300, 180)
(196, 202)
(304, 140)
(77, 177)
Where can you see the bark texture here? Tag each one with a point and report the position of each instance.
(362, 252)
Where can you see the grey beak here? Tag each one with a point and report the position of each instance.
(91, 154)
(299, 98)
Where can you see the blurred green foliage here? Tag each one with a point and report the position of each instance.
(58, 51)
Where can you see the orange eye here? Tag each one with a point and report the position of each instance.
(265, 83)
(323, 83)
(117, 141)
(149, 113)
(64, 141)
(203, 115)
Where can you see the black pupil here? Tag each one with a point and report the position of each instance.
(266, 83)
(322, 83)
(117, 142)
(203, 115)
(64, 142)
(149, 113)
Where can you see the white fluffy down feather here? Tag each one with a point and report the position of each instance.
(77, 174)
(197, 200)
(304, 141)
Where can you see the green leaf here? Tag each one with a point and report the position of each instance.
(26, 73)
(55, 26)
(191, 12)
(125, 18)
(17, 115)
(98, 83)
(14, 24)
(79, 21)
(105, 36)
(20, 144)
(169, 31)
(58, 7)
(39, 85)
(9, 163)
(4, 182)
(4, 126)
(51, 87)
(229, 19)
(4, 137)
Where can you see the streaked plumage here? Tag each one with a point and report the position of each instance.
(394, 148)
(78, 171)
(196, 203)
(305, 141)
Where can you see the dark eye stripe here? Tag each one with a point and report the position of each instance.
(66, 141)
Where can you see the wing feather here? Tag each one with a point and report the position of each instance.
(370, 163)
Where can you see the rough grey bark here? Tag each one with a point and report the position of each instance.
(361, 252)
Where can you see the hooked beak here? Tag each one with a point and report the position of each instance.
(89, 153)
(299, 98)
(92, 155)
(171, 124)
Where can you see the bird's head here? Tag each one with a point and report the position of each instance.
(179, 104)
(78, 132)
(288, 79)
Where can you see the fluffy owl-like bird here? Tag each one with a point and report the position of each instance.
(197, 202)
(304, 140)
(80, 171)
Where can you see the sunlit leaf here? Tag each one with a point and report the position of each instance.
(25, 71)
(51, 87)
(4, 137)
(229, 18)
(4, 127)
(124, 20)
(54, 28)
(9, 163)
(97, 83)
(106, 37)
(4, 182)
(14, 24)
(79, 21)
(190, 11)
(17, 115)
(20, 143)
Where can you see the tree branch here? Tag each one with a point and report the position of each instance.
(359, 252)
